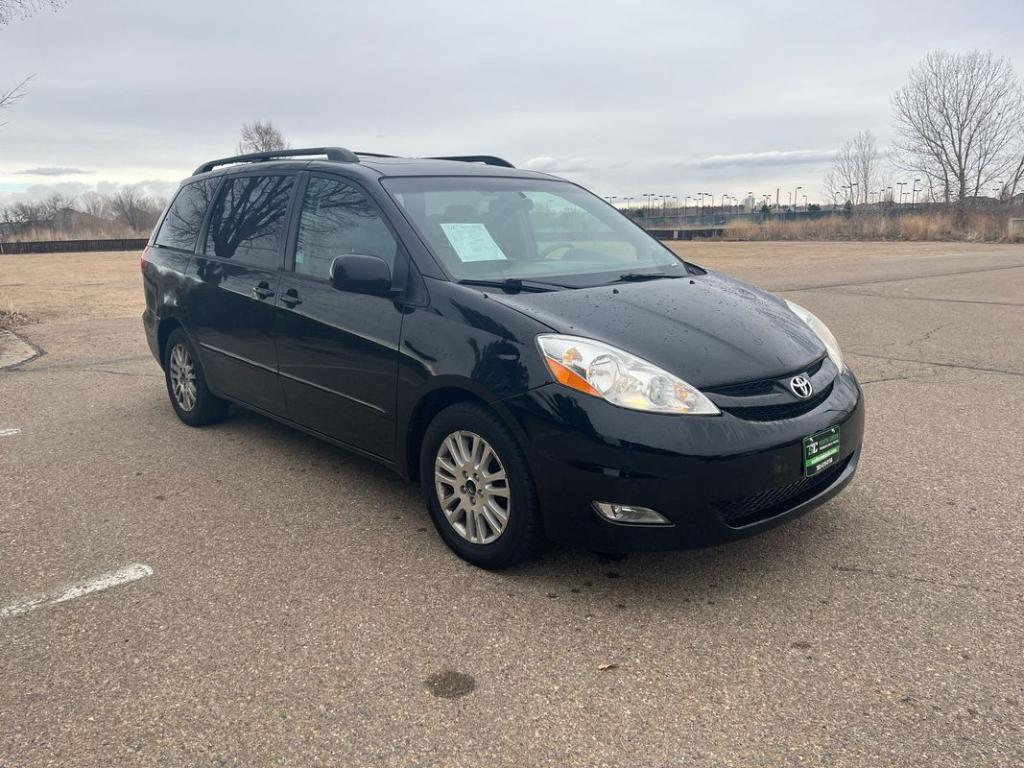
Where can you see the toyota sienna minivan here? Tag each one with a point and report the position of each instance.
(544, 368)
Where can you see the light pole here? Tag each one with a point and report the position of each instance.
(901, 185)
(796, 198)
(913, 198)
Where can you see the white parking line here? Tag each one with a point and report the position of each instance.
(125, 575)
(11, 432)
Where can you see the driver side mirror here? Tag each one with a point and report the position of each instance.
(357, 273)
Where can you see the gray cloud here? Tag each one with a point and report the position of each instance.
(51, 171)
(771, 158)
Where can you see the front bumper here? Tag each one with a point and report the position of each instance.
(717, 478)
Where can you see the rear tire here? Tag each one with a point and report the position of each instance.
(479, 489)
(186, 383)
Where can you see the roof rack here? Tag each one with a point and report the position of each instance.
(339, 154)
(485, 159)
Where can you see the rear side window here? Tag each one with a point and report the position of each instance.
(337, 219)
(249, 220)
(185, 216)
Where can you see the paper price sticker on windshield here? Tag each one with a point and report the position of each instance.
(472, 242)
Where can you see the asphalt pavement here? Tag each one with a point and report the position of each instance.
(245, 595)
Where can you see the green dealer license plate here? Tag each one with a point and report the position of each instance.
(821, 450)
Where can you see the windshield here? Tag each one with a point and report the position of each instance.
(520, 229)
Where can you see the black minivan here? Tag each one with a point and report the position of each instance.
(543, 367)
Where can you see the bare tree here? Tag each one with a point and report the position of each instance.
(134, 209)
(858, 169)
(958, 119)
(16, 10)
(11, 97)
(260, 136)
(95, 204)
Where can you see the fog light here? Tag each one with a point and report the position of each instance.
(625, 513)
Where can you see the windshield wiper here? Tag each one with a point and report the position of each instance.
(513, 284)
(639, 277)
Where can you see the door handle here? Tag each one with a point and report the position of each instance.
(291, 298)
(262, 291)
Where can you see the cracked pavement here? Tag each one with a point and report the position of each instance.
(301, 610)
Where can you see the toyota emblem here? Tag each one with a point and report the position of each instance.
(801, 386)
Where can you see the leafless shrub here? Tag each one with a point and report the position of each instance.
(9, 316)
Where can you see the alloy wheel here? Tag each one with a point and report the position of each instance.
(183, 378)
(472, 487)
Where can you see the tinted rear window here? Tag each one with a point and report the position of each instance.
(185, 216)
(249, 219)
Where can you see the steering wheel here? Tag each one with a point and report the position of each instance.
(546, 253)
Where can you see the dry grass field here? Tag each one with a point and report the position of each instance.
(980, 227)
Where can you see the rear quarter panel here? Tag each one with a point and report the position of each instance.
(164, 286)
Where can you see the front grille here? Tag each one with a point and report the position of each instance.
(747, 389)
(783, 410)
(761, 506)
(762, 386)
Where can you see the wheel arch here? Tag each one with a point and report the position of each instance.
(432, 403)
(164, 330)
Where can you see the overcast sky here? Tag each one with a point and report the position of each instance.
(626, 98)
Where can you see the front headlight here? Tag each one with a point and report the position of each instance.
(620, 378)
(821, 330)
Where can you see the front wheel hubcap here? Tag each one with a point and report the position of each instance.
(472, 487)
(183, 378)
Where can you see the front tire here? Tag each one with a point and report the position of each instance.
(478, 488)
(186, 383)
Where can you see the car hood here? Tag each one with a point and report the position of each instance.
(708, 329)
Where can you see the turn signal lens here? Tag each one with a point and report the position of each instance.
(570, 378)
(600, 370)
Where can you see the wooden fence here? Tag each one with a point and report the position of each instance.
(74, 246)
